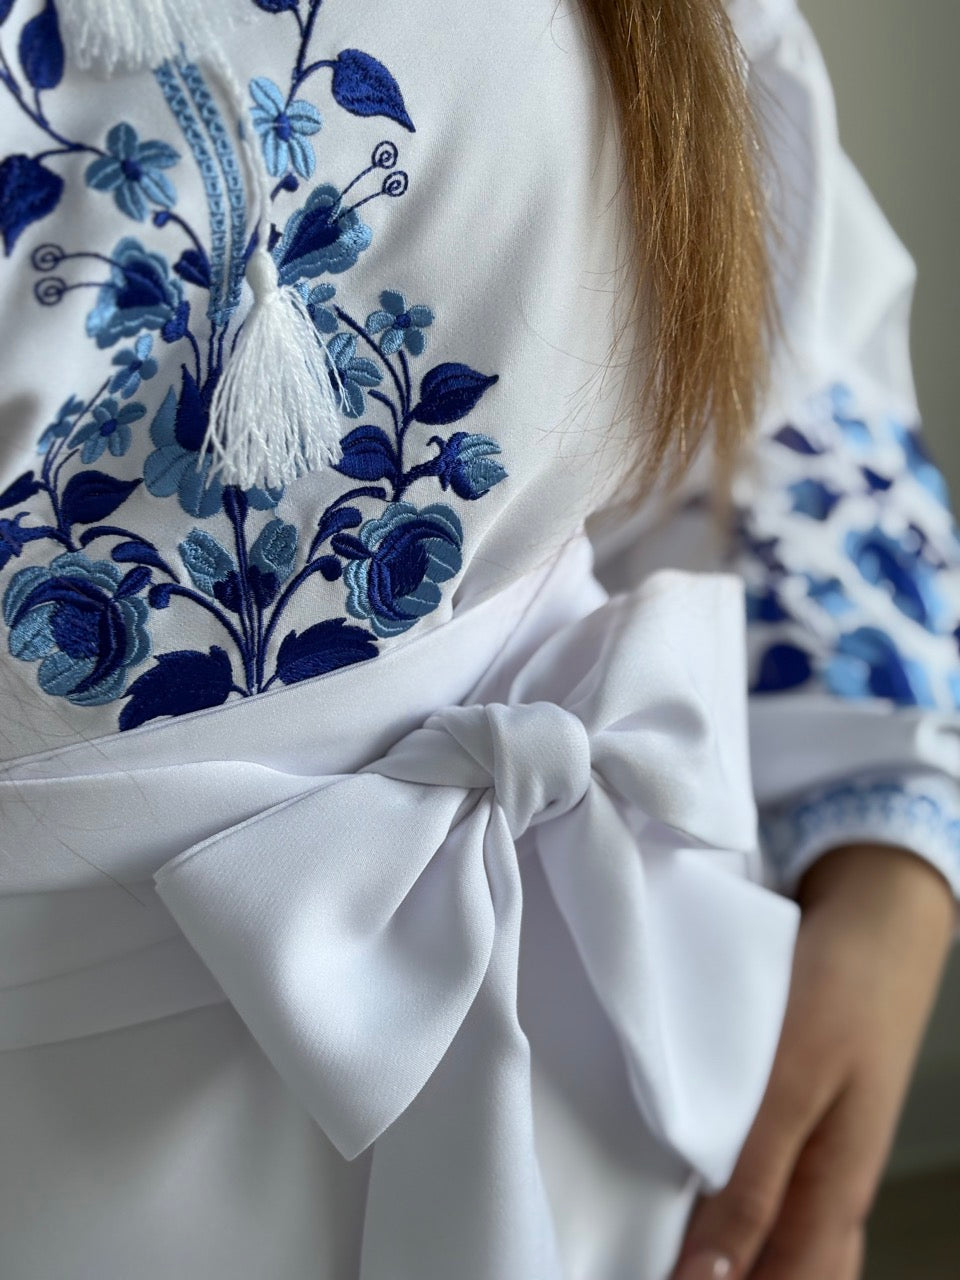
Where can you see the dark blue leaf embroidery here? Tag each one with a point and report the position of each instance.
(365, 87)
(276, 6)
(791, 438)
(20, 490)
(193, 266)
(28, 192)
(138, 553)
(177, 684)
(41, 49)
(783, 666)
(449, 392)
(332, 522)
(93, 495)
(322, 648)
(5, 7)
(14, 537)
(368, 455)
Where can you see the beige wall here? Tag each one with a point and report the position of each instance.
(896, 74)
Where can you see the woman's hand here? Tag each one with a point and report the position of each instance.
(874, 935)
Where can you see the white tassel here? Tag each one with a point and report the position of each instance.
(105, 35)
(275, 413)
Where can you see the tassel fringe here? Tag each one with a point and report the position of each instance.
(129, 35)
(275, 413)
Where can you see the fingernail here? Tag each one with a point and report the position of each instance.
(705, 1266)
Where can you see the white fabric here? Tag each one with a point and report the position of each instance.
(381, 978)
(520, 950)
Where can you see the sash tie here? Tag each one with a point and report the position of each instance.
(367, 931)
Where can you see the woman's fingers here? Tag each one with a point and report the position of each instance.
(734, 1224)
(825, 1208)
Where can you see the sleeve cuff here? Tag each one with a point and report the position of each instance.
(918, 811)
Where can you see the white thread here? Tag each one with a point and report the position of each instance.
(275, 412)
(106, 35)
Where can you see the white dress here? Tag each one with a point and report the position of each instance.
(281, 768)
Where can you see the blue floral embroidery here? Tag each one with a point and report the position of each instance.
(83, 621)
(133, 171)
(398, 562)
(108, 428)
(350, 373)
(283, 128)
(135, 366)
(322, 237)
(87, 621)
(401, 325)
(140, 294)
(881, 544)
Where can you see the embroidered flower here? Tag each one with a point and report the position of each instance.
(467, 465)
(321, 315)
(135, 366)
(176, 465)
(322, 237)
(83, 621)
(140, 294)
(401, 326)
(133, 171)
(108, 428)
(351, 373)
(62, 425)
(397, 563)
(283, 129)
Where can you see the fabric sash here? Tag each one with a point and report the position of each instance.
(345, 861)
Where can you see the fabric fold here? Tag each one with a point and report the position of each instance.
(355, 926)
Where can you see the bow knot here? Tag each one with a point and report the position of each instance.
(536, 757)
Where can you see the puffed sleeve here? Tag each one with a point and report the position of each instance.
(843, 532)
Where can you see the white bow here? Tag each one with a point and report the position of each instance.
(368, 930)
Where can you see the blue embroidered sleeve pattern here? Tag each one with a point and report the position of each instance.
(85, 617)
(851, 559)
(917, 810)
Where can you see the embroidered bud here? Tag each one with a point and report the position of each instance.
(130, 35)
(275, 413)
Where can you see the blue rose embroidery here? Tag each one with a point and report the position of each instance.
(283, 129)
(140, 294)
(322, 237)
(399, 561)
(133, 171)
(83, 621)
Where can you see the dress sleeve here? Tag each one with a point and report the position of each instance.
(843, 532)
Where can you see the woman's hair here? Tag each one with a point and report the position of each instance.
(692, 158)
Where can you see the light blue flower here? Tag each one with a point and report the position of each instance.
(351, 373)
(401, 326)
(133, 171)
(398, 562)
(62, 425)
(83, 621)
(135, 366)
(140, 294)
(283, 129)
(108, 428)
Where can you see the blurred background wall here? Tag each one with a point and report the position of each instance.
(896, 74)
